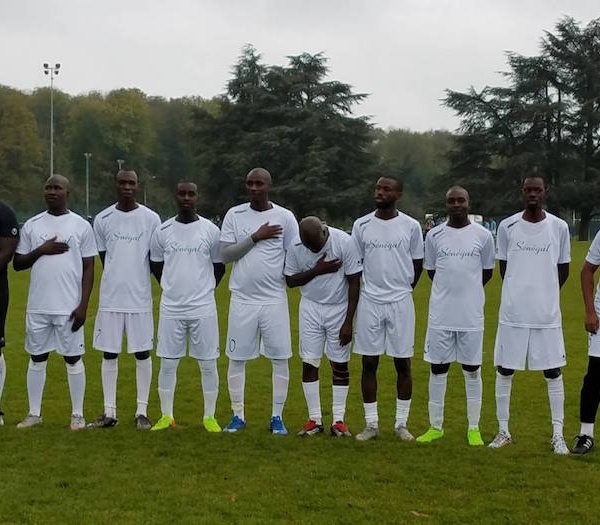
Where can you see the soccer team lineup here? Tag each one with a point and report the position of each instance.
(356, 298)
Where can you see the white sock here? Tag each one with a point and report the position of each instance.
(556, 395)
(437, 394)
(167, 379)
(76, 379)
(313, 400)
(587, 429)
(340, 394)
(503, 388)
(210, 385)
(281, 379)
(143, 378)
(2, 374)
(110, 372)
(402, 411)
(236, 380)
(474, 391)
(36, 379)
(371, 416)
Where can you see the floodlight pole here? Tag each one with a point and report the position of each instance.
(52, 71)
(87, 184)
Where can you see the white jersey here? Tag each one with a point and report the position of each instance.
(458, 256)
(257, 277)
(331, 288)
(593, 257)
(55, 284)
(188, 252)
(530, 291)
(125, 237)
(388, 248)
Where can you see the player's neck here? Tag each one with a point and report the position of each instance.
(458, 222)
(127, 205)
(58, 211)
(187, 217)
(534, 215)
(261, 204)
(386, 213)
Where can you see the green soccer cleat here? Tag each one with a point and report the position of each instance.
(474, 438)
(163, 423)
(211, 425)
(431, 435)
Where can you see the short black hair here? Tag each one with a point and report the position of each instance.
(395, 179)
(535, 175)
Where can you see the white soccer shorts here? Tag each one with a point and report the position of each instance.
(319, 328)
(448, 346)
(110, 327)
(539, 348)
(203, 334)
(385, 328)
(248, 322)
(46, 332)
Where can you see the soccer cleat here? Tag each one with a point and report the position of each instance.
(103, 421)
(369, 432)
(236, 424)
(474, 438)
(277, 427)
(559, 446)
(402, 432)
(339, 429)
(77, 422)
(163, 423)
(211, 424)
(30, 421)
(502, 439)
(311, 428)
(142, 422)
(431, 435)
(584, 444)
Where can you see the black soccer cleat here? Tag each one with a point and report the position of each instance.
(584, 444)
(103, 421)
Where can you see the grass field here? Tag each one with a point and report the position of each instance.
(51, 475)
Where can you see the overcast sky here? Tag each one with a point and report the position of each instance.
(403, 53)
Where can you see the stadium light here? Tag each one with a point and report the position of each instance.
(87, 156)
(52, 71)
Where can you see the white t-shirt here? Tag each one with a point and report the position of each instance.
(388, 248)
(593, 257)
(257, 277)
(458, 256)
(55, 284)
(330, 288)
(530, 291)
(188, 281)
(125, 237)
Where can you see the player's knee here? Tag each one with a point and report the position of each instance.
(109, 356)
(40, 358)
(402, 365)
(340, 373)
(72, 359)
(315, 363)
(370, 364)
(141, 356)
(470, 368)
(552, 373)
(440, 368)
(505, 371)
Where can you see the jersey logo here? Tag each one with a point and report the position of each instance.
(437, 233)
(512, 224)
(232, 345)
(166, 226)
(14, 232)
(107, 215)
(241, 211)
(364, 223)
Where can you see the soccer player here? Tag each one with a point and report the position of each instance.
(391, 246)
(590, 392)
(123, 232)
(534, 252)
(58, 245)
(9, 236)
(459, 258)
(256, 235)
(186, 257)
(324, 262)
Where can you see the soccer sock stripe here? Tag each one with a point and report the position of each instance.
(110, 372)
(437, 394)
(556, 396)
(236, 381)
(281, 379)
(36, 379)
(76, 380)
(143, 377)
(313, 400)
(473, 392)
(503, 389)
(210, 385)
(167, 380)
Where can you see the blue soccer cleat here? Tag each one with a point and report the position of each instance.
(235, 424)
(277, 426)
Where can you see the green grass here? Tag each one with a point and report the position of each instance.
(49, 474)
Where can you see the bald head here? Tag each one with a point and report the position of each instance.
(260, 173)
(313, 233)
(59, 179)
(56, 191)
(458, 190)
(258, 185)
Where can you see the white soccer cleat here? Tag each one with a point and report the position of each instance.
(402, 432)
(368, 433)
(559, 445)
(77, 422)
(501, 440)
(30, 421)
